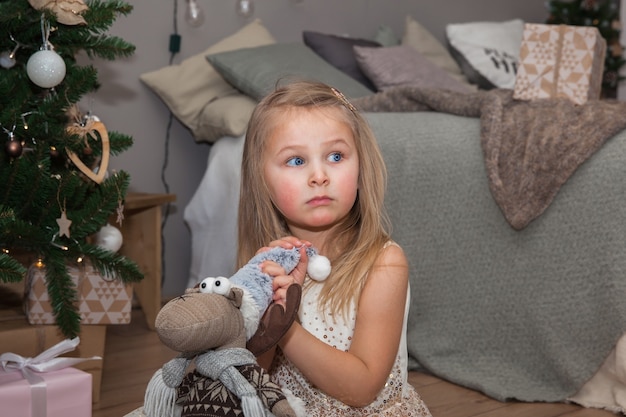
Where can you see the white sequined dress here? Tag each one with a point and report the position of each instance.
(397, 399)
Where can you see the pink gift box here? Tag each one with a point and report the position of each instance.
(68, 393)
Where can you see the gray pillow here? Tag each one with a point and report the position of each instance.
(337, 51)
(257, 71)
(401, 65)
(385, 36)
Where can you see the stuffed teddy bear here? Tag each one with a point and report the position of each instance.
(219, 326)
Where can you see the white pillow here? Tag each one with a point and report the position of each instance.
(487, 52)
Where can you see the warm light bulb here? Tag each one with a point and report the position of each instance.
(245, 8)
(194, 16)
(7, 59)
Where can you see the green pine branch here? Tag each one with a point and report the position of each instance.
(106, 47)
(40, 182)
(10, 269)
(62, 293)
(112, 265)
(119, 142)
(95, 209)
(102, 14)
(79, 80)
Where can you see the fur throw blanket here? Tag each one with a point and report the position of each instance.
(530, 148)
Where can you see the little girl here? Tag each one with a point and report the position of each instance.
(312, 174)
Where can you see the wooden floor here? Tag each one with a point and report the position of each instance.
(133, 353)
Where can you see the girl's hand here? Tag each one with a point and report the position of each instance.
(287, 242)
(281, 280)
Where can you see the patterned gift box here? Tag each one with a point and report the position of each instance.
(101, 301)
(560, 61)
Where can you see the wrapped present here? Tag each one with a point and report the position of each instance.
(22, 338)
(46, 385)
(101, 300)
(560, 61)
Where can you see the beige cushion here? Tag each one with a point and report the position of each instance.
(419, 38)
(199, 97)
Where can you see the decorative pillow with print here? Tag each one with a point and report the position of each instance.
(487, 52)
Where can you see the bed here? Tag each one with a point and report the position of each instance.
(518, 304)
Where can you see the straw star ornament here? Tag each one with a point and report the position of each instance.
(64, 225)
(68, 12)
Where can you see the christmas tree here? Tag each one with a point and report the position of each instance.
(55, 191)
(604, 15)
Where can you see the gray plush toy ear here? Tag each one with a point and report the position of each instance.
(257, 285)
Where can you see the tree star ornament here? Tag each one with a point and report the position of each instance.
(64, 224)
(68, 12)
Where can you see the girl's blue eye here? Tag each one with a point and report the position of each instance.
(335, 157)
(295, 161)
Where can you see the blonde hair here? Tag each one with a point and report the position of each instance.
(357, 242)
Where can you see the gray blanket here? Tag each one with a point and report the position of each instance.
(528, 314)
(530, 147)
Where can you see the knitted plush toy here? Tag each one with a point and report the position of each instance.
(217, 325)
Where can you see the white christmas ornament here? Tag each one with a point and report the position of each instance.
(46, 68)
(109, 237)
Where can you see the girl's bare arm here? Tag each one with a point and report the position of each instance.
(357, 376)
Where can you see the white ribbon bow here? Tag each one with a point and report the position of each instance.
(47, 361)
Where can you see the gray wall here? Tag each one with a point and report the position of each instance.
(124, 104)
